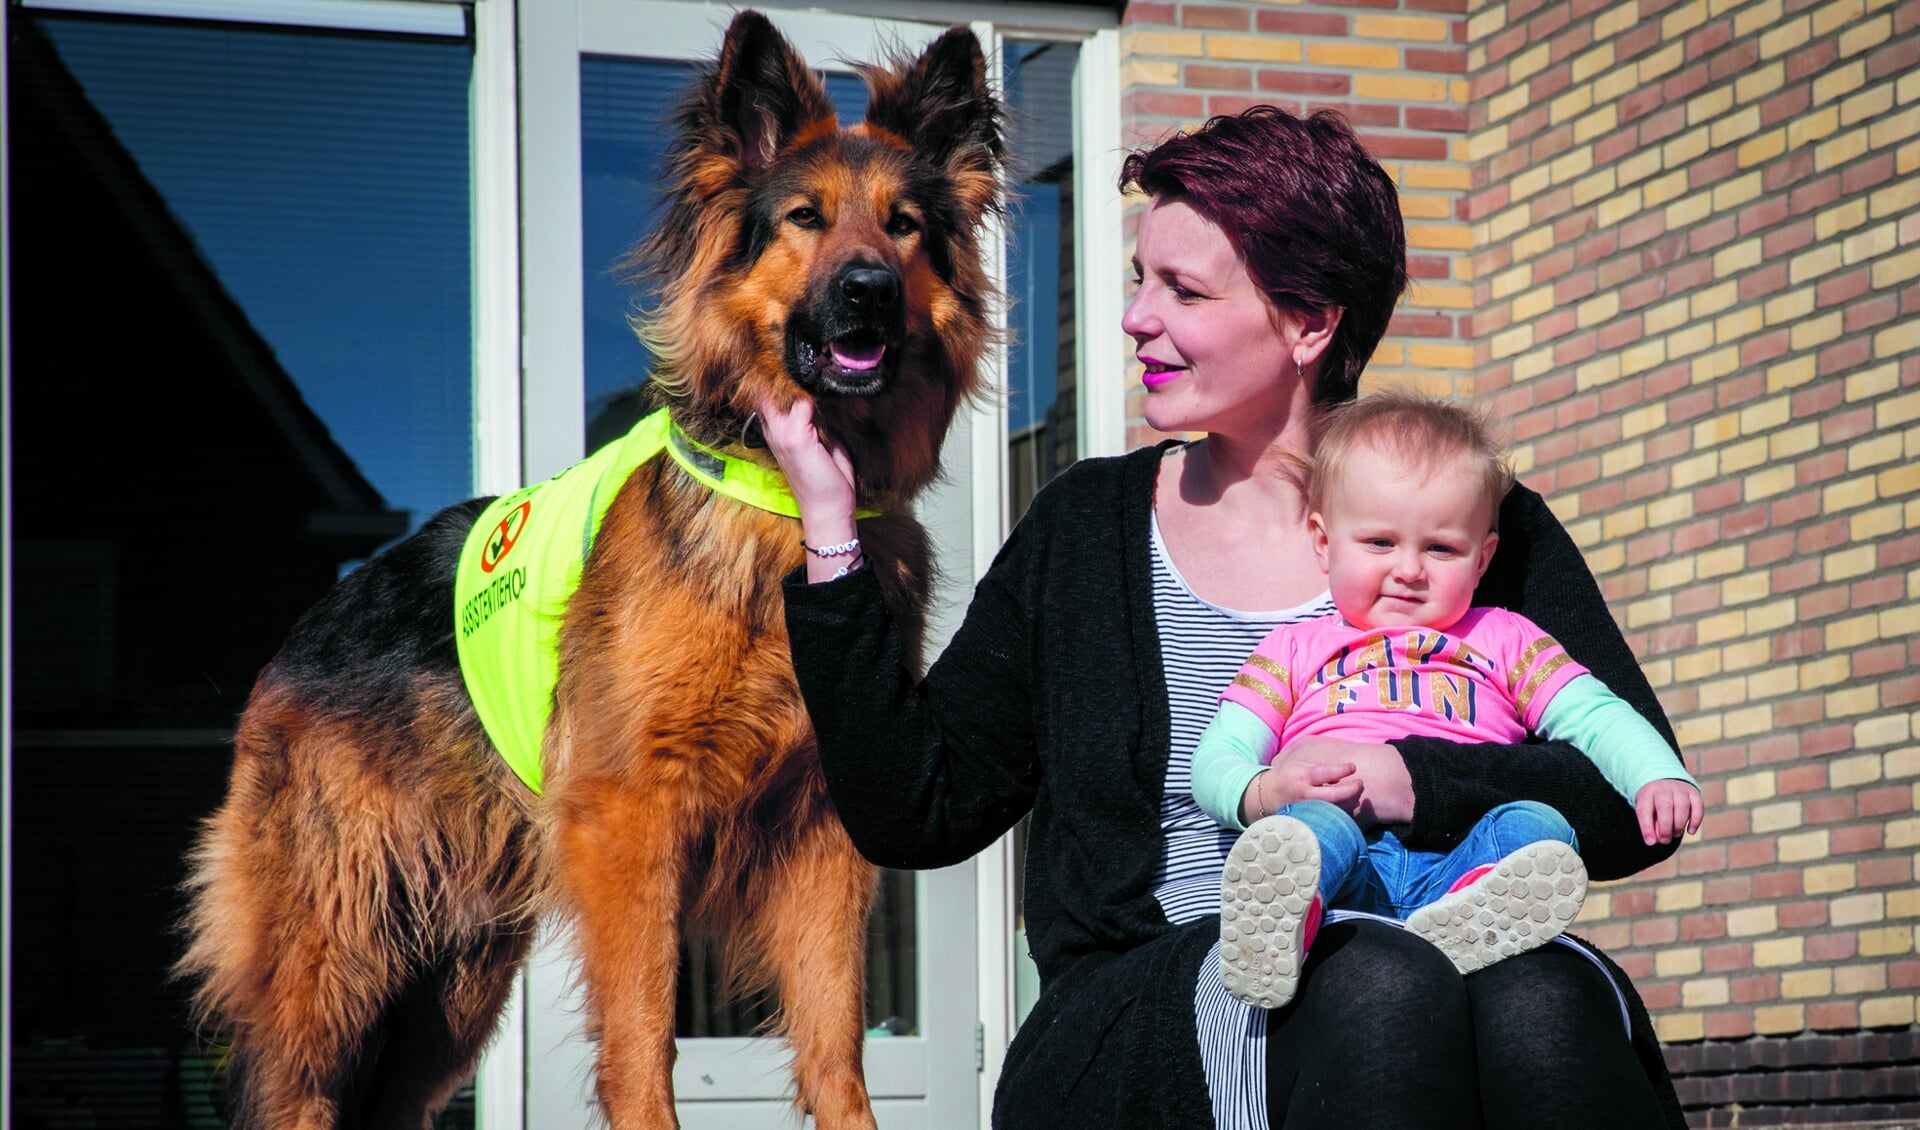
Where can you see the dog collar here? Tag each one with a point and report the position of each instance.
(742, 480)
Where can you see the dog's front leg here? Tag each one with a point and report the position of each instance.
(622, 858)
(816, 904)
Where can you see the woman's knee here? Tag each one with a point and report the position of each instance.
(1386, 976)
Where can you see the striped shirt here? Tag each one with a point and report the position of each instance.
(1202, 645)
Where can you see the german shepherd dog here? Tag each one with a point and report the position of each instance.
(362, 899)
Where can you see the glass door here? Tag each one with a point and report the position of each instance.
(599, 80)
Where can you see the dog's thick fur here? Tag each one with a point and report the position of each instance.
(361, 901)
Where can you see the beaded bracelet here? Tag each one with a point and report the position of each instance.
(840, 550)
(852, 566)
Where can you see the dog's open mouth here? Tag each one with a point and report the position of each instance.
(851, 364)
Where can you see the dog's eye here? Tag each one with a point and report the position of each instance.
(902, 224)
(804, 217)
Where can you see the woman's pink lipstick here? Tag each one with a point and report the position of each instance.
(1158, 372)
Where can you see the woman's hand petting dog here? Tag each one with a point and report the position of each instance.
(821, 477)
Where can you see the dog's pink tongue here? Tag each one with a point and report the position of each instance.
(857, 356)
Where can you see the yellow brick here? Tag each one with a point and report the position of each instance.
(1662, 62)
(1751, 787)
(1430, 356)
(1506, 104)
(1738, 257)
(1809, 128)
(1852, 772)
(1677, 963)
(1857, 980)
(1697, 665)
(1791, 374)
(1684, 148)
(1680, 896)
(1665, 316)
(1886, 940)
(1780, 1019)
(1900, 481)
(1903, 903)
(1851, 701)
(1875, 523)
(1847, 563)
(1886, 1012)
(1824, 672)
(1610, 86)
(1771, 952)
(1683, 19)
(1530, 365)
(1615, 209)
(1788, 307)
(1511, 282)
(1854, 910)
(1657, 610)
(1532, 304)
(1869, 244)
(1739, 324)
(1615, 20)
(1901, 762)
(1835, 16)
(1848, 494)
(1486, 22)
(1903, 833)
(1137, 42)
(1864, 34)
(1640, 421)
(1722, 694)
(1572, 164)
(1900, 196)
(1827, 879)
(1843, 217)
(1529, 182)
(1593, 62)
(1777, 817)
(1756, 17)
(1705, 992)
(1570, 105)
(1793, 441)
(1732, 128)
(1439, 237)
(1763, 148)
(1529, 62)
(1896, 269)
(1646, 355)
(1620, 460)
(1867, 104)
(1698, 469)
(1602, 121)
(1760, 83)
(1806, 983)
(1713, 299)
(1817, 331)
(1603, 308)
(1887, 729)
(1784, 37)
(1697, 731)
(1424, 29)
(1774, 681)
(1840, 151)
(1768, 483)
(1679, 1027)
(1875, 451)
(1770, 618)
(1823, 259)
(1511, 341)
(1720, 626)
(1637, 167)
(1902, 338)
(1839, 80)
(1266, 49)
(1747, 654)
(1748, 921)
(1400, 88)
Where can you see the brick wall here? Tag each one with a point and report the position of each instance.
(1678, 247)
(1397, 69)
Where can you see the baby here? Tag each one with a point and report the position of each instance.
(1403, 496)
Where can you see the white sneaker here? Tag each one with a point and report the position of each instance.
(1495, 911)
(1270, 909)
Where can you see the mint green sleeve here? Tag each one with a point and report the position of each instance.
(1233, 750)
(1629, 751)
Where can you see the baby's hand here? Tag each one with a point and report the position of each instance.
(1288, 781)
(1666, 809)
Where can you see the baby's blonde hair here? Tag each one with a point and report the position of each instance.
(1423, 431)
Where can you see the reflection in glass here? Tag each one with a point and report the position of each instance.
(626, 110)
(241, 360)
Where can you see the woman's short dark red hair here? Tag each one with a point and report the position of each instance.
(1313, 215)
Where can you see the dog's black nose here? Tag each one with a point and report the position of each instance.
(869, 288)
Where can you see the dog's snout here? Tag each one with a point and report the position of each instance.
(869, 288)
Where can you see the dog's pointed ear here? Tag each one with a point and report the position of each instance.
(763, 92)
(941, 105)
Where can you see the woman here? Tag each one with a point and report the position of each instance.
(1269, 261)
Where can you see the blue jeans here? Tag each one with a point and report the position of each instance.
(1385, 877)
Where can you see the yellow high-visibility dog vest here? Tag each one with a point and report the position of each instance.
(523, 559)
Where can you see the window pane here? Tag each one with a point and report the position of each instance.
(242, 359)
(1042, 405)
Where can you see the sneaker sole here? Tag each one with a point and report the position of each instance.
(1526, 901)
(1266, 887)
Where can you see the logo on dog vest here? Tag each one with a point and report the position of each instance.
(504, 535)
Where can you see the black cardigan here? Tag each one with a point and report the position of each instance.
(1051, 700)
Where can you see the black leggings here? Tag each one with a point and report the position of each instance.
(1384, 1033)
